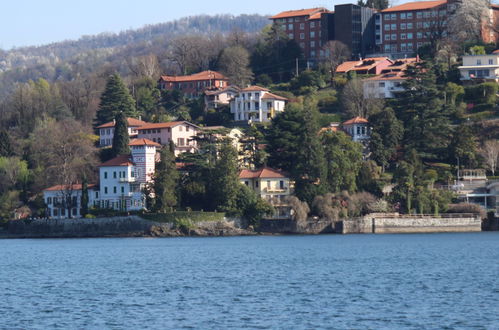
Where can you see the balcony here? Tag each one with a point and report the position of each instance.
(128, 180)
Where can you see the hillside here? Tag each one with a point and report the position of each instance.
(56, 61)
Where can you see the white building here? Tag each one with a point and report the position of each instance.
(256, 104)
(480, 67)
(106, 131)
(121, 183)
(358, 129)
(213, 99)
(384, 86)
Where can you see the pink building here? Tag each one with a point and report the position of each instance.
(182, 133)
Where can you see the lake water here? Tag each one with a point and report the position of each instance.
(435, 281)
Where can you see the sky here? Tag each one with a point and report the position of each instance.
(38, 22)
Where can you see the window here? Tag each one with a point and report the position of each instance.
(290, 20)
(402, 16)
(381, 84)
(387, 47)
(312, 44)
(409, 35)
(105, 175)
(49, 200)
(180, 142)
(290, 36)
(312, 34)
(491, 62)
(387, 37)
(419, 35)
(419, 25)
(409, 46)
(403, 26)
(387, 27)
(312, 53)
(409, 16)
(290, 26)
(268, 183)
(393, 48)
(114, 175)
(394, 37)
(302, 36)
(426, 25)
(403, 47)
(114, 190)
(409, 26)
(302, 45)
(256, 184)
(393, 17)
(403, 36)
(281, 184)
(427, 14)
(122, 190)
(387, 17)
(105, 190)
(312, 25)
(180, 128)
(394, 27)
(302, 26)
(419, 14)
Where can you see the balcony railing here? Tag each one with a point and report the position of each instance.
(276, 190)
(128, 180)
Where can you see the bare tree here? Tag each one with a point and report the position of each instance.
(354, 102)
(145, 66)
(335, 53)
(234, 63)
(468, 20)
(490, 152)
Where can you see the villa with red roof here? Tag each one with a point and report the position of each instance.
(121, 184)
(358, 129)
(256, 104)
(271, 185)
(106, 131)
(194, 85)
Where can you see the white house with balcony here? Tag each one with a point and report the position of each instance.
(271, 185)
(358, 129)
(480, 67)
(256, 104)
(106, 131)
(384, 86)
(121, 183)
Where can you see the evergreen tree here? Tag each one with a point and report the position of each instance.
(463, 146)
(5, 144)
(121, 139)
(224, 183)
(422, 109)
(376, 4)
(116, 98)
(386, 134)
(343, 159)
(84, 197)
(165, 181)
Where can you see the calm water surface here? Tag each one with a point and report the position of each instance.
(436, 281)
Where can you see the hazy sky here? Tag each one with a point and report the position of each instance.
(36, 22)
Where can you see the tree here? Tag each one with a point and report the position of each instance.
(386, 134)
(84, 197)
(343, 159)
(253, 155)
(121, 139)
(165, 181)
(354, 102)
(5, 144)
(115, 99)
(376, 4)
(467, 21)
(234, 63)
(224, 184)
(335, 53)
(463, 145)
(490, 152)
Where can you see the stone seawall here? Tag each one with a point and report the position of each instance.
(292, 227)
(132, 226)
(410, 224)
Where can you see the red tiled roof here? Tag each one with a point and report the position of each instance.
(122, 160)
(165, 125)
(255, 89)
(319, 15)
(419, 5)
(298, 13)
(270, 96)
(265, 172)
(399, 75)
(495, 51)
(143, 142)
(365, 64)
(201, 76)
(222, 90)
(356, 120)
(61, 187)
(132, 122)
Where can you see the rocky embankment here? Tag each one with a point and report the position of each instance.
(132, 226)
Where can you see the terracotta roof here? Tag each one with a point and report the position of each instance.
(165, 125)
(270, 96)
(143, 142)
(495, 51)
(298, 13)
(222, 90)
(419, 5)
(122, 160)
(319, 15)
(255, 89)
(365, 64)
(356, 120)
(64, 187)
(132, 122)
(205, 75)
(265, 172)
(399, 75)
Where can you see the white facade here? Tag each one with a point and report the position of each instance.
(383, 87)
(217, 98)
(256, 104)
(485, 67)
(106, 131)
(64, 202)
(358, 129)
(182, 133)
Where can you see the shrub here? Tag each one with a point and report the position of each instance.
(467, 208)
(89, 216)
(299, 209)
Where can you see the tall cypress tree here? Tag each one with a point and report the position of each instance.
(84, 197)
(165, 181)
(224, 184)
(116, 98)
(121, 139)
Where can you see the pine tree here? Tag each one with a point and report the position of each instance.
(386, 134)
(116, 98)
(121, 139)
(5, 145)
(165, 181)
